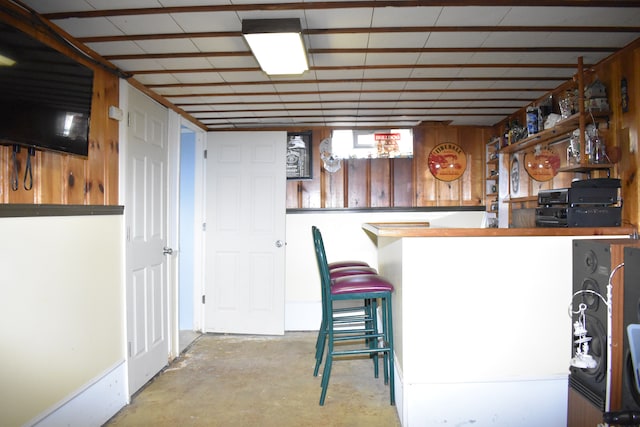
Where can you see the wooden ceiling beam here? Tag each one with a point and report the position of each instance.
(495, 49)
(327, 5)
(356, 92)
(357, 67)
(364, 80)
(377, 30)
(361, 101)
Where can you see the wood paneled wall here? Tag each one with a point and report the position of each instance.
(619, 130)
(66, 179)
(363, 183)
(623, 125)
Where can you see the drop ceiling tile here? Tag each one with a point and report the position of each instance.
(88, 27)
(167, 46)
(336, 96)
(405, 16)
(384, 86)
(220, 44)
(260, 98)
(453, 40)
(295, 87)
(266, 89)
(472, 16)
(156, 79)
(311, 105)
(387, 73)
(337, 41)
(590, 39)
(475, 84)
(207, 21)
(116, 48)
(391, 58)
(519, 39)
(394, 40)
(233, 62)
(169, 3)
(443, 58)
(340, 18)
(145, 24)
(339, 74)
(435, 72)
(416, 104)
(137, 64)
(380, 95)
(568, 16)
(426, 85)
(206, 77)
(184, 63)
(244, 76)
(48, 6)
(338, 59)
(129, 4)
(313, 97)
(186, 91)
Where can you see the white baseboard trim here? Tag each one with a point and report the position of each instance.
(92, 405)
(302, 315)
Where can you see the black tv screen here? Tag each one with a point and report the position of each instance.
(45, 96)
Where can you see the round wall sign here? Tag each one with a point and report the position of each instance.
(447, 161)
(542, 166)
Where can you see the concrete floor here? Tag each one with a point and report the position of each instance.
(231, 380)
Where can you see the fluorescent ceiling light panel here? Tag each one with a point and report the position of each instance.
(277, 45)
(5, 61)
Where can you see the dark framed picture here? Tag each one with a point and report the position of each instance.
(299, 155)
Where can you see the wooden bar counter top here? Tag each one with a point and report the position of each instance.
(423, 229)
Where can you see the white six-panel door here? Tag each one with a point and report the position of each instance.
(146, 223)
(245, 216)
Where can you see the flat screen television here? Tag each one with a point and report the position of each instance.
(45, 96)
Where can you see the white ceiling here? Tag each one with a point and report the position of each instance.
(373, 63)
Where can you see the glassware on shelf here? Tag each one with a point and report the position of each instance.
(596, 149)
(567, 104)
(573, 149)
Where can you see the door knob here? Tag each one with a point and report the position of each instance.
(279, 243)
(167, 251)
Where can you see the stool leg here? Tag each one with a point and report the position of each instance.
(388, 325)
(320, 344)
(373, 342)
(326, 372)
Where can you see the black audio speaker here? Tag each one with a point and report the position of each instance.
(591, 269)
(630, 385)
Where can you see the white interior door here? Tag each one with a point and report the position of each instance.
(146, 223)
(245, 214)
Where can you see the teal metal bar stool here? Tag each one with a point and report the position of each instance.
(347, 315)
(370, 338)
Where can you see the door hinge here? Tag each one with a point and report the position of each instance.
(204, 226)
(128, 119)
(205, 154)
(129, 345)
(204, 298)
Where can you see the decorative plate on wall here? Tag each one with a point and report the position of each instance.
(542, 165)
(447, 161)
(514, 174)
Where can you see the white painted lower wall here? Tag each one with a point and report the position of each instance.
(534, 403)
(63, 324)
(482, 332)
(344, 238)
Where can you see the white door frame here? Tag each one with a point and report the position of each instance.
(176, 122)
